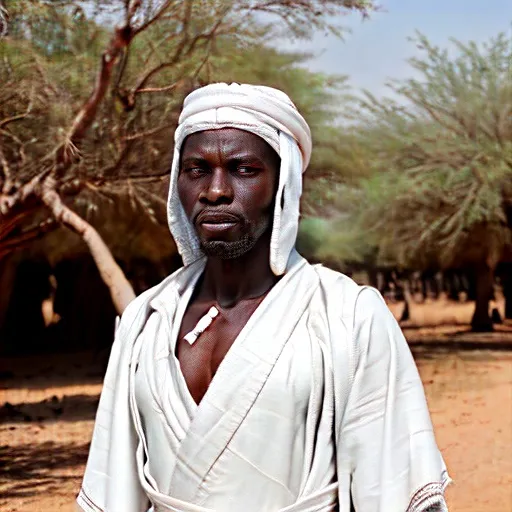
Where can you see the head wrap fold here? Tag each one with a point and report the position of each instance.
(268, 113)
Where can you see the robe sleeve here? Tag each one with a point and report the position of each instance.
(395, 464)
(111, 482)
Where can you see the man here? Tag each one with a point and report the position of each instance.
(250, 380)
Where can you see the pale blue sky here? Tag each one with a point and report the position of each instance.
(377, 49)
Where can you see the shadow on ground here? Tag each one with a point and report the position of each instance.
(67, 408)
(30, 469)
(55, 370)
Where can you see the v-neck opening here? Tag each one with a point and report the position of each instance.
(239, 380)
(183, 304)
(181, 309)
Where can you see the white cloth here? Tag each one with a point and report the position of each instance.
(317, 400)
(268, 113)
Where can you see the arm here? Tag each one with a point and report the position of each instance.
(111, 481)
(395, 463)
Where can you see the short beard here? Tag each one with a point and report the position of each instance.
(232, 250)
(229, 250)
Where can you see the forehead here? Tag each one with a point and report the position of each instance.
(226, 141)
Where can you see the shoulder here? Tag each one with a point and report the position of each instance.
(142, 302)
(353, 298)
(331, 279)
(362, 310)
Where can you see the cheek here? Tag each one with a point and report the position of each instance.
(257, 198)
(187, 196)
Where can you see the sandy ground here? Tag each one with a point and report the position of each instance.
(47, 407)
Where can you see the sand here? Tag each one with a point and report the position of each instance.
(48, 404)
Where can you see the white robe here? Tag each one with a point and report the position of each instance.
(317, 403)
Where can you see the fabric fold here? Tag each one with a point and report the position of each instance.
(344, 383)
(317, 405)
(271, 115)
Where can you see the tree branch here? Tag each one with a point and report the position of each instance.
(148, 133)
(9, 225)
(138, 178)
(121, 291)
(154, 18)
(6, 170)
(7, 202)
(85, 117)
(18, 117)
(26, 237)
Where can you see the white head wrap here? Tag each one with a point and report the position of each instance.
(268, 113)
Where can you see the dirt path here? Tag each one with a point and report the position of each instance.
(470, 399)
(45, 430)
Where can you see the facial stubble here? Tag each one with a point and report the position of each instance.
(225, 250)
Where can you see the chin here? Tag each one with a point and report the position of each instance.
(228, 250)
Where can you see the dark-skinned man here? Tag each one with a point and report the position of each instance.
(250, 380)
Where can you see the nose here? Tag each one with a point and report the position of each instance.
(218, 189)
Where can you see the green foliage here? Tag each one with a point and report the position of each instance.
(440, 160)
(336, 241)
(49, 64)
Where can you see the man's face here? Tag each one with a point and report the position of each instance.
(227, 185)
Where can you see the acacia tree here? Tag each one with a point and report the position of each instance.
(57, 149)
(440, 160)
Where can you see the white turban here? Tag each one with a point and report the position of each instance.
(268, 113)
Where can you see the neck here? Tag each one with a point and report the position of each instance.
(230, 281)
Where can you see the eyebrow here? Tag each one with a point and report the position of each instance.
(192, 159)
(239, 158)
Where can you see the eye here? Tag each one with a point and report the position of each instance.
(194, 172)
(246, 170)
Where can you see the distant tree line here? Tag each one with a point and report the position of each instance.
(90, 92)
(434, 172)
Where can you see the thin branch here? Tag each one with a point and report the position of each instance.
(159, 89)
(207, 37)
(154, 47)
(9, 225)
(26, 237)
(178, 52)
(154, 18)
(85, 117)
(18, 117)
(8, 202)
(120, 159)
(144, 80)
(148, 133)
(6, 170)
(138, 178)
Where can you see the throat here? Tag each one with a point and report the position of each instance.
(227, 282)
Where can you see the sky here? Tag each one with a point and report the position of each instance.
(377, 49)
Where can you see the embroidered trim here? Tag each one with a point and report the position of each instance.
(82, 497)
(430, 497)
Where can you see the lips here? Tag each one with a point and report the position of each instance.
(213, 224)
(210, 218)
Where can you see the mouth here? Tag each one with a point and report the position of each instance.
(206, 217)
(216, 222)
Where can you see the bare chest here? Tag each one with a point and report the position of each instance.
(200, 360)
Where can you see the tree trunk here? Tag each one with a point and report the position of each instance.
(507, 290)
(8, 268)
(372, 277)
(484, 280)
(406, 314)
(120, 288)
